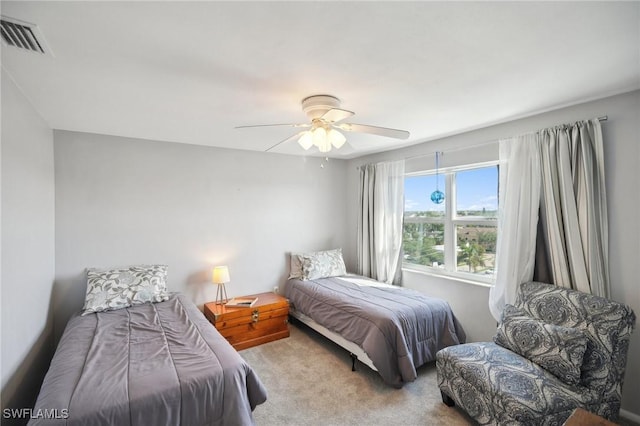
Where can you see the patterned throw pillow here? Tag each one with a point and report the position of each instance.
(559, 350)
(322, 264)
(120, 288)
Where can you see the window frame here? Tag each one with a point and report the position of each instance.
(451, 220)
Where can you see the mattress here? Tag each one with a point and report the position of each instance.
(399, 329)
(151, 364)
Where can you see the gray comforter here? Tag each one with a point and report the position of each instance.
(152, 364)
(398, 328)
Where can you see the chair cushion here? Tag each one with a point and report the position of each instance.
(495, 385)
(559, 350)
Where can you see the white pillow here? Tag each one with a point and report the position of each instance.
(120, 288)
(322, 264)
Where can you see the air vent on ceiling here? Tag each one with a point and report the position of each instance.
(23, 35)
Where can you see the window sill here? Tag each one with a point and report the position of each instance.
(448, 276)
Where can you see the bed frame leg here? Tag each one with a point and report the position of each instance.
(448, 401)
(354, 358)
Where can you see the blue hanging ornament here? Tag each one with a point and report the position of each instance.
(437, 196)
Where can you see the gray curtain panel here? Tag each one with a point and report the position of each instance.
(381, 210)
(573, 248)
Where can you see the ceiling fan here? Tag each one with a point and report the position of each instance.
(327, 122)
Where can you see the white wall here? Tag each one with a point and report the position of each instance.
(622, 156)
(27, 247)
(125, 201)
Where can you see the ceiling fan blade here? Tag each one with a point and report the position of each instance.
(285, 140)
(274, 125)
(374, 130)
(335, 115)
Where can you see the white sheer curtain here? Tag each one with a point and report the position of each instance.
(519, 199)
(573, 208)
(381, 203)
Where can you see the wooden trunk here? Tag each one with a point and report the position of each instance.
(267, 320)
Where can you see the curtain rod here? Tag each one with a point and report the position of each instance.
(601, 118)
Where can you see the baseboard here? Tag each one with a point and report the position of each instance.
(630, 416)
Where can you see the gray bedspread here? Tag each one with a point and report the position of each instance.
(152, 364)
(398, 328)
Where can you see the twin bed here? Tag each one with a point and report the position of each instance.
(391, 329)
(149, 364)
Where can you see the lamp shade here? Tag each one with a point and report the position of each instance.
(221, 275)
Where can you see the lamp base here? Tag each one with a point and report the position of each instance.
(222, 291)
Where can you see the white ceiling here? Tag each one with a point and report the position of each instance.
(190, 72)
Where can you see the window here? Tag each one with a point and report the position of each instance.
(457, 237)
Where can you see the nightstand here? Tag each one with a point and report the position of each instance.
(244, 327)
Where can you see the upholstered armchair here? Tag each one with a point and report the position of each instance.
(555, 350)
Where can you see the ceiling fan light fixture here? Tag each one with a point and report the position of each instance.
(319, 137)
(328, 124)
(336, 138)
(306, 140)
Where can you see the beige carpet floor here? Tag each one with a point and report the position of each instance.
(310, 382)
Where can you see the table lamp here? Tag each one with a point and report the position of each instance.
(220, 277)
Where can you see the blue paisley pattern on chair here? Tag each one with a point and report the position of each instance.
(495, 385)
(560, 350)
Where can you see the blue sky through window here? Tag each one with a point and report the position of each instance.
(477, 189)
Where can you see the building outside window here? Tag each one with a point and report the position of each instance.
(457, 237)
